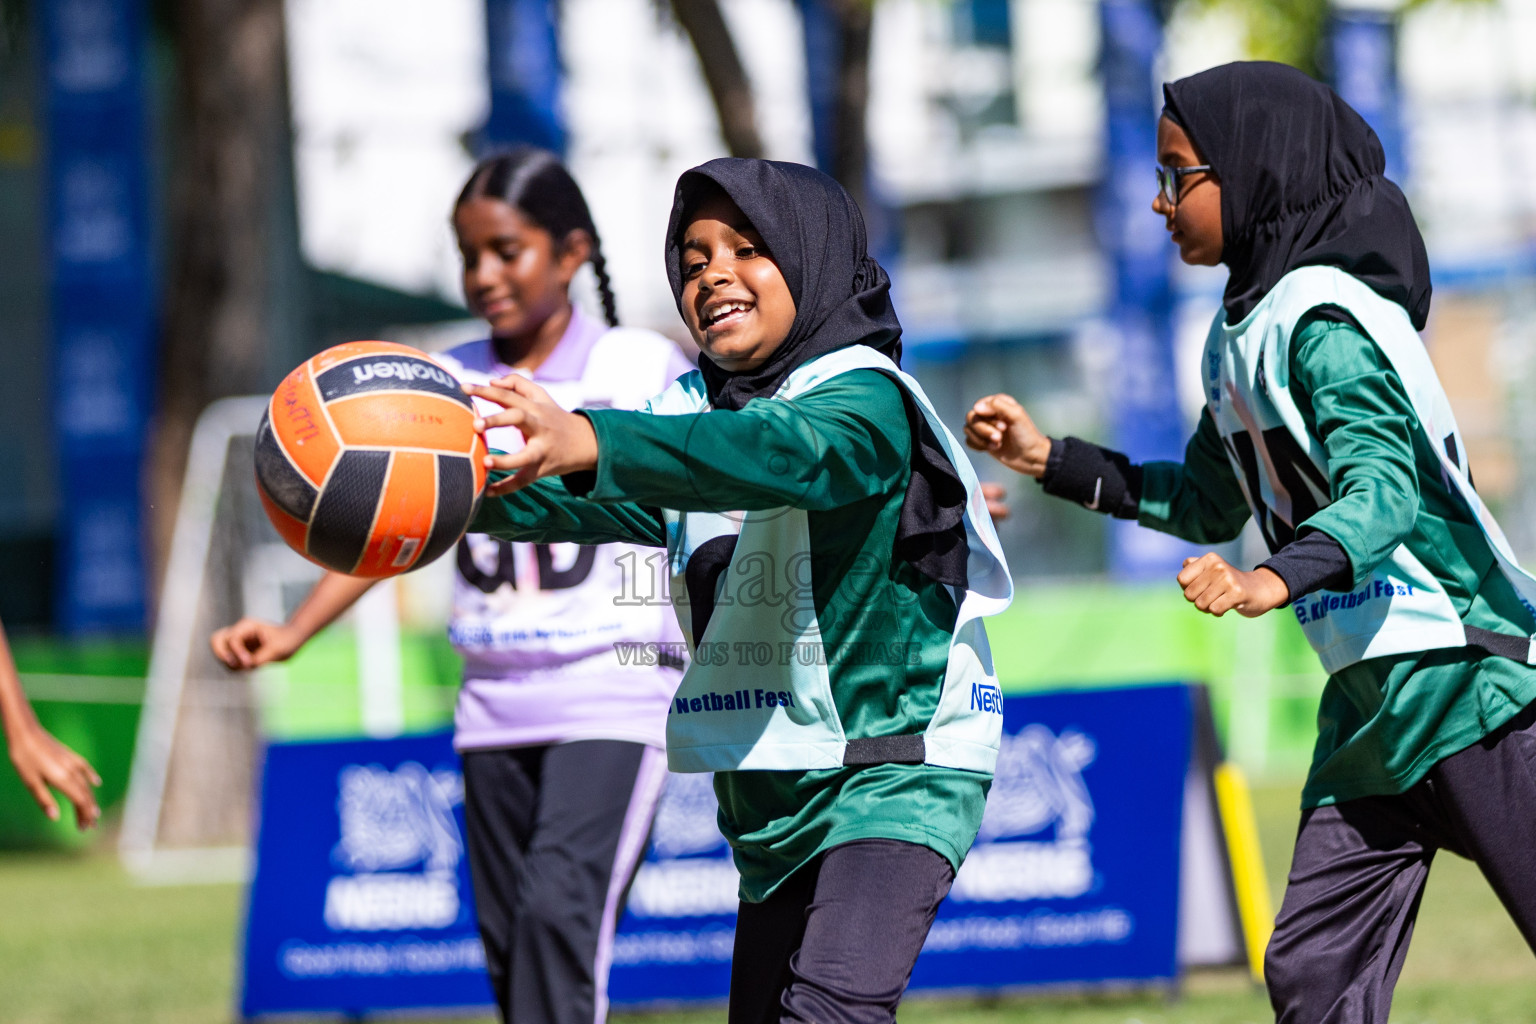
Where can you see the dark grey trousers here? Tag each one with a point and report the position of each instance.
(555, 834)
(835, 944)
(1359, 869)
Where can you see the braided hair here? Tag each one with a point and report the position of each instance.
(536, 183)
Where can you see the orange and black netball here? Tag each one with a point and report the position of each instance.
(367, 460)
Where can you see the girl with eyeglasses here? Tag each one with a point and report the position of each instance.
(1324, 421)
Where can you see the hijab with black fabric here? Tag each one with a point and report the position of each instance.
(815, 235)
(1302, 184)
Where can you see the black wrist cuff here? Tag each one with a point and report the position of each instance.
(1096, 478)
(1313, 562)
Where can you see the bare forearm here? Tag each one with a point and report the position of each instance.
(332, 596)
(43, 763)
(15, 713)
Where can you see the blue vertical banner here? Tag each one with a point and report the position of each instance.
(1147, 423)
(103, 311)
(523, 58)
(1363, 51)
(823, 43)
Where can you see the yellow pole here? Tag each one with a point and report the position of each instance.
(1254, 909)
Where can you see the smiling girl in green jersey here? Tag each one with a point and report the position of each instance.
(1325, 421)
(830, 558)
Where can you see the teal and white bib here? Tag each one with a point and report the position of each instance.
(1283, 469)
(758, 689)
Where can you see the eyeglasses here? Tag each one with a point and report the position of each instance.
(1169, 179)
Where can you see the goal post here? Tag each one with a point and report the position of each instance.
(187, 811)
(189, 807)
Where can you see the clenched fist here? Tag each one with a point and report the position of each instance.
(999, 426)
(1214, 586)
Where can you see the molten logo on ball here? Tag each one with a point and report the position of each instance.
(367, 459)
(364, 372)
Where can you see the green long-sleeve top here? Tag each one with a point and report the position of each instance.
(842, 452)
(1382, 722)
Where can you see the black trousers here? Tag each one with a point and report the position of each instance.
(1359, 869)
(835, 944)
(555, 834)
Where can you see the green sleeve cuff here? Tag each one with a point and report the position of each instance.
(605, 483)
(1160, 481)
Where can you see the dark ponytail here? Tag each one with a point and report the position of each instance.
(537, 184)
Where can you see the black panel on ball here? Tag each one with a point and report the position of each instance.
(339, 533)
(389, 373)
(455, 505)
(279, 477)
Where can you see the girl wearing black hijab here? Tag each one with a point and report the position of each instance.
(1325, 422)
(831, 558)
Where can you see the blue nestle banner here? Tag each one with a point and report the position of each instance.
(1364, 53)
(361, 899)
(1073, 880)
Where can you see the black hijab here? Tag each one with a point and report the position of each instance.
(815, 234)
(1302, 184)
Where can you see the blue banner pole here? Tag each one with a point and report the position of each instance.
(1146, 422)
(523, 57)
(823, 40)
(1363, 49)
(102, 305)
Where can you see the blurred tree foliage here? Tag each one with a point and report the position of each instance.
(729, 88)
(1290, 31)
(231, 131)
(731, 91)
(13, 23)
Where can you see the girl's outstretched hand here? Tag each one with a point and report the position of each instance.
(556, 442)
(999, 426)
(250, 643)
(1213, 585)
(45, 764)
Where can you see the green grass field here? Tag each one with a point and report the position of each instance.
(80, 943)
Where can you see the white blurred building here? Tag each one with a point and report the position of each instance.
(985, 126)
